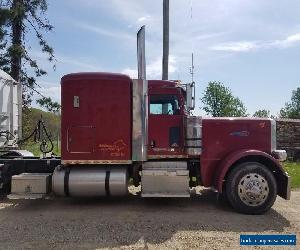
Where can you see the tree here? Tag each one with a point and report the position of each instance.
(219, 101)
(49, 105)
(262, 113)
(292, 108)
(22, 18)
(4, 61)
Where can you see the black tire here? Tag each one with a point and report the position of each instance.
(241, 178)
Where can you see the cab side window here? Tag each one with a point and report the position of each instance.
(164, 105)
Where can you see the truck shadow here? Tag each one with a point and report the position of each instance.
(125, 221)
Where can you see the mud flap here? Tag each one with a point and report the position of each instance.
(284, 185)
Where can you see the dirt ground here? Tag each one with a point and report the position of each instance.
(200, 222)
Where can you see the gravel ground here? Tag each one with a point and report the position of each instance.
(136, 223)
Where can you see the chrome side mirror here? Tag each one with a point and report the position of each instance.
(190, 96)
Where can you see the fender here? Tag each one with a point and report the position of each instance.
(233, 157)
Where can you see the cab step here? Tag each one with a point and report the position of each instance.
(165, 179)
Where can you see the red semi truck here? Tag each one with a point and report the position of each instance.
(115, 129)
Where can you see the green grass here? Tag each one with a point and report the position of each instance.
(293, 169)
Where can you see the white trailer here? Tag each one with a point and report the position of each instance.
(10, 111)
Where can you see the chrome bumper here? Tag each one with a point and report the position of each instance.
(280, 155)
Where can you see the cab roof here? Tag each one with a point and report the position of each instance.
(95, 75)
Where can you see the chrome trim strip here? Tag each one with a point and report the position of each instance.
(72, 162)
(168, 157)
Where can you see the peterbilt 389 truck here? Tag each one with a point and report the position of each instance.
(115, 129)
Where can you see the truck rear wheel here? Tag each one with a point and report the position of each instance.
(251, 188)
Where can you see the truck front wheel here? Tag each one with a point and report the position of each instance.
(251, 188)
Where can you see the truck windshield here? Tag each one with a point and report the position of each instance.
(164, 105)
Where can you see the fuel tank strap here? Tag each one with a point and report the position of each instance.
(107, 176)
(66, 182)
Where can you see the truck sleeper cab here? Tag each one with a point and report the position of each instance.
(115, 128)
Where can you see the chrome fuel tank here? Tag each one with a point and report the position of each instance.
(90, 181)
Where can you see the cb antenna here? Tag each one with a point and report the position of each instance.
(192, 68)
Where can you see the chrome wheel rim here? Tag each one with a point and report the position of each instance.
(253, 189)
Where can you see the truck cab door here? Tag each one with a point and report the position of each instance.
(165, 126)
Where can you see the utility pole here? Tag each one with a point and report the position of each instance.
(165, 59)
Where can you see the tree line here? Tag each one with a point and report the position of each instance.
(219, 101)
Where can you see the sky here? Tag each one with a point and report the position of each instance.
(252, 46)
